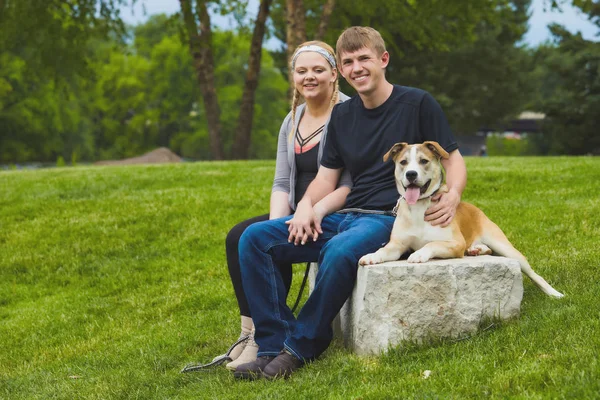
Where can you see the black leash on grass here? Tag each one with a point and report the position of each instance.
(225, 357)
(302, 285)
(217, 361)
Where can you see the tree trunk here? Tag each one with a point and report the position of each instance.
(243, 135)
(295, 32)
(326, 14)
(201, 50)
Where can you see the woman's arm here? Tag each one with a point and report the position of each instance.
(279, 205)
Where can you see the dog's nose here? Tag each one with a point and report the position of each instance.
(411, 175)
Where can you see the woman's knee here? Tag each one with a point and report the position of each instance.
(234, 235)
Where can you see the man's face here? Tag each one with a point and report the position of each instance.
(364, 70)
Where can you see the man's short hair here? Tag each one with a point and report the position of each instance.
(358, 37)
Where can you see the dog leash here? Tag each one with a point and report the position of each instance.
(223, 358)
(392, 213)
(217, 360)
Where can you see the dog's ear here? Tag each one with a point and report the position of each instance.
(397, 148)
(437, 149)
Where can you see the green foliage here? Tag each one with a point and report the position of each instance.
(52, 35)
(501, 146)
(479, 83)
(74, 85)
(591, 8)
(114, 278)
(133, 98)
(43, 55)
(569, 79)
(467, 54)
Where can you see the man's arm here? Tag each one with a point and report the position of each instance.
(442, 212)
(334, 201)
(305, 223)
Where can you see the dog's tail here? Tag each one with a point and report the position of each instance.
(496, 240)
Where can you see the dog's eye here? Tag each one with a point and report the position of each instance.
(424, 161)
(403, 162)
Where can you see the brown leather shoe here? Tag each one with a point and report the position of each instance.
(253, 370)
(282, 366)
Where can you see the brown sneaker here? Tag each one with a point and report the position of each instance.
(282, 366)
(253, 370)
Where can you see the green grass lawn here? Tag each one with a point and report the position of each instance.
(113, 278)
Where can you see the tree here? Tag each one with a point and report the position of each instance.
(244, 130)
(201, 49)
(44, 51)
(480, 83)
(200, 42)
(569, 77)
(590, 7)
(325, 17)
(52, 35)
(290, 21)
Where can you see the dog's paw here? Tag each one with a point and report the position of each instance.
(478, 250)
(420, 256)
(370, 259)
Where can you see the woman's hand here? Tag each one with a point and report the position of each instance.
(305, 224)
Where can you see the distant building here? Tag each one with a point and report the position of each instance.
(526, 122)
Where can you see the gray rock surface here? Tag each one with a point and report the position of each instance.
(397, 301)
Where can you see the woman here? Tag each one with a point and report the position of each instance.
(299, 149)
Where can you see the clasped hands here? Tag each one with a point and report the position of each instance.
(306, 223)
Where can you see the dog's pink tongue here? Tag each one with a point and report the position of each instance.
(412, 194)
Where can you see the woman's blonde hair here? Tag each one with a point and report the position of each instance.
(296, 98)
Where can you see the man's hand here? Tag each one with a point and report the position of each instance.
(444, 208)
(304, 224)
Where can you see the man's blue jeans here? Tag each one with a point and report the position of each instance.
(345, 238)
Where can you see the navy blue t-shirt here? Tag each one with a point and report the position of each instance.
(359, 137)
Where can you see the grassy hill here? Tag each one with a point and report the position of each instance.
(113, 278)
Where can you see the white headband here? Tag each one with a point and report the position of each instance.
(316, 49)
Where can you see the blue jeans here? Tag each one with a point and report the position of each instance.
(264, 245)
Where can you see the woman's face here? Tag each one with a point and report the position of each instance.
(313, 76)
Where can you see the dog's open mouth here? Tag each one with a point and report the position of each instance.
(413, 192)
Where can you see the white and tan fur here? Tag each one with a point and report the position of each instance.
(470, 232)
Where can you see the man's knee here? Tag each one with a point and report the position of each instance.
(251, 235)
(337, 257)
(339, 248)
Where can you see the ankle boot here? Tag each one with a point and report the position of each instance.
(247, 327)
(247, 355)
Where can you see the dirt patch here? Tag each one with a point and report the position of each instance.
(158, 156)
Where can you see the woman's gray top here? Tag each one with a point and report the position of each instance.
(285, 166)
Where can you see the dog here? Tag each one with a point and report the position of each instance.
(419, 175)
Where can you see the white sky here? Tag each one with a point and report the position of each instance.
(538, 32)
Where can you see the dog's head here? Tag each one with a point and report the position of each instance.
(418, 171)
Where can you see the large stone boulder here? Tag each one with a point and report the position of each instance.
(398, 301)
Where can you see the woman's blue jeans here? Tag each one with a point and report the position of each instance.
(264, 245)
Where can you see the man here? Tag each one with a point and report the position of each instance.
(361, 131)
